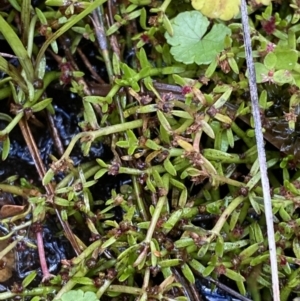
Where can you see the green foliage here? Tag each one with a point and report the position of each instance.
(277, 67)
(189, 44)
(176, 115)
(223, 9)
(78, 295)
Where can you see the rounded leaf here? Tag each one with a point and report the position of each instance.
(270, 60)
(190, 43)
(283, 77)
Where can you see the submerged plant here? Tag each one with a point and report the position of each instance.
(174, 112)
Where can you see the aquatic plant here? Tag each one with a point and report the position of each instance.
(165, 90)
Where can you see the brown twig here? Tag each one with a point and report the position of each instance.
(111, 11)
(49, 189)
(54, 133)
(188, 289)
(79, 80)
(87, 63)
(226, 289)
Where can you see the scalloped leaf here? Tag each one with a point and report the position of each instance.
(190, 43)
(78, 295)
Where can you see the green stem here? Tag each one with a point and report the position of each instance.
(10, 247)
(47, 80)
(226, 213)
(23, 192)
(252, 284)
(140, 109)
(184, 107)
(125, 289)
(15, 229)
(160, 204)
(66, 180)
(39, 291)
(113, 91)
(102, 132)
(146, 279)
(104, 287)
(63, 29)
(12, 124)
(165, 5)
(241, 134)
(140, 202)
(88, 251)
(17, 217)
(228, 181)
(71, 283)
(139, 172)
(184, 126)
(89, 173)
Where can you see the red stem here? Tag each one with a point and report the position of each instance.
(41, 250)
